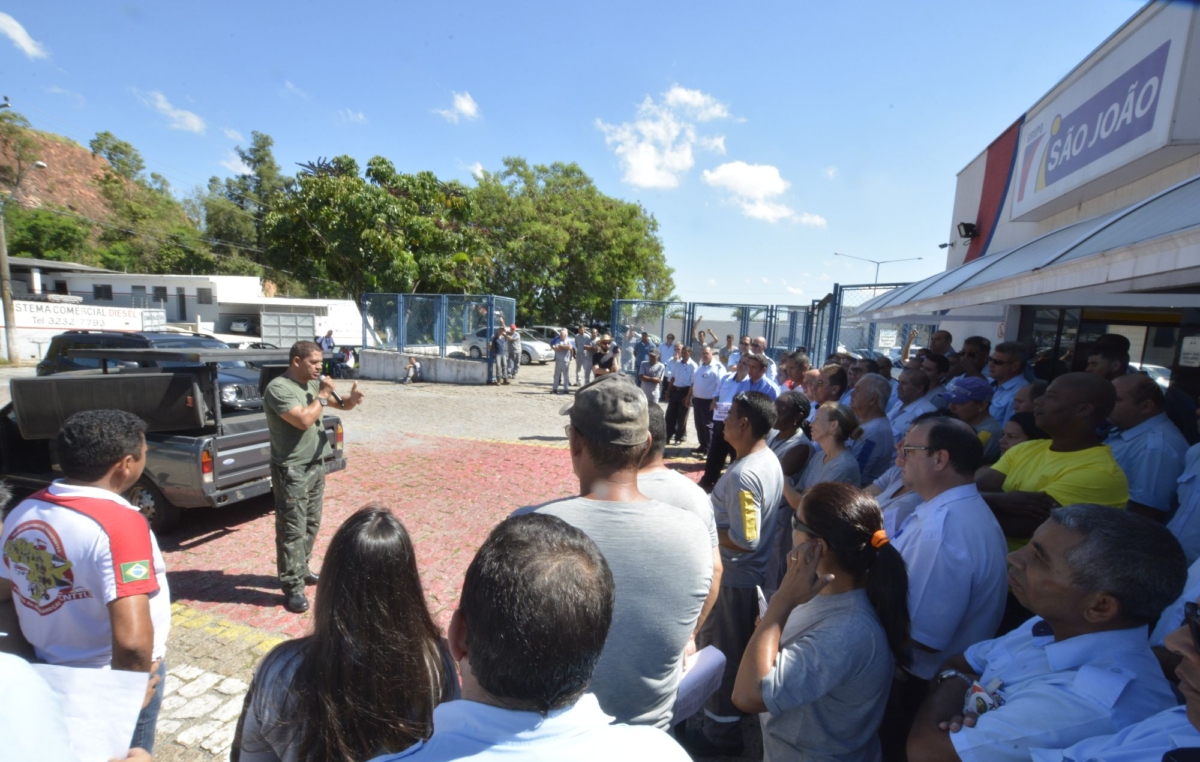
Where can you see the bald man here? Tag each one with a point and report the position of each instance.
(1147, 446)
(1073, 466)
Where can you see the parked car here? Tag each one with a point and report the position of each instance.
(1161, 375)
(546, 333)
(198, 454)
(533, 348)
(238, 382)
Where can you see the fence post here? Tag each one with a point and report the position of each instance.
(613, 315)
(363, 311)
(491, 331)
(401, 322)
(835, 318)
(443, 314)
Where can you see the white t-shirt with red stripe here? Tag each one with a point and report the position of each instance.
(69, 551)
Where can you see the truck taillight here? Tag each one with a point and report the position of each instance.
(338, 435)
(206, 466)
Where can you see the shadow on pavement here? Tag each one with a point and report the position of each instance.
(202, 525)
(217, 586)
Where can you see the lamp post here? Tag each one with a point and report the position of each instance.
(10, 313)
(876, 262)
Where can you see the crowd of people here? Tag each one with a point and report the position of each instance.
(965, 562)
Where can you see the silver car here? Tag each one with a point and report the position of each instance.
(533, 349)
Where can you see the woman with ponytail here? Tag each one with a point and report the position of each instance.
(820, 663)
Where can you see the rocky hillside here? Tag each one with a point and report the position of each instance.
(68, 180)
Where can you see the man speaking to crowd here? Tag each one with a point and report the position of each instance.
(295, 406)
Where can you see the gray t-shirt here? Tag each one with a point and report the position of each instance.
(661, 562)
(875, 449)
(829, 686)
(269, 727)
(843, 468)
(744, 502)
(651, 388)
(673, 488)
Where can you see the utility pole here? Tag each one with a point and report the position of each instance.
(876, 262)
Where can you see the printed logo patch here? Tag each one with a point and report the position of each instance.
(35, 553)
(135, 571)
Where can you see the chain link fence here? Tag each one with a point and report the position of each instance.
(867, 338)
(435, 324)
(631, 317)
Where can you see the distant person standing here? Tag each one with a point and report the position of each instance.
(650, 376)
(500, 355)
(326, 344)
(583, 356)
(294, 404)
(680, 395)
(704, 390)
(514, 351)
(607, 358)
(562, 361)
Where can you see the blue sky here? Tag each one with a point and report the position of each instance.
(763, 137)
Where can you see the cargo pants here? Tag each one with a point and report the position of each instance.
(299, 491)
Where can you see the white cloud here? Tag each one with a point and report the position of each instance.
(177, 118)
(766, 281)
(232, 134)
(464, 107)
(352, 117)
(290, 89)
(656, 149)
(825, 276)
(476, 170)
(831, 172)
(753, 186)
(12, 29)
(699, 105)
(234, 164)
(712, 281)
(812, 220)
(55, 90)
(795, 290)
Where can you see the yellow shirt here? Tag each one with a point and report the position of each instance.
(1083, 476)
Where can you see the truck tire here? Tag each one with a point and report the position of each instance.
(525, 358)
(149, 500)
(475, 353)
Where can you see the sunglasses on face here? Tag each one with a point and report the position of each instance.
(906, 449)
(998, 361)
(800, 526)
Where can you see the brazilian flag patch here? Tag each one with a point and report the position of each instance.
(135, 571)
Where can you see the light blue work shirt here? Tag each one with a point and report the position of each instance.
(764, 385)
(875, 449)
(1185, 523)
(685, 371)
(1060, 693)
(903, 416)
(1002, 399)
(726, 391)
(849, 395)
(1146, 741)
(1172, 616)
(957, 575)
(707, 379)
(937, 397)
(483, 733)
(1151, 454)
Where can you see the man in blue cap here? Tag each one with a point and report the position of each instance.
(969, 398)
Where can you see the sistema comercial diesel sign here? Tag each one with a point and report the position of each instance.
(1114, 120)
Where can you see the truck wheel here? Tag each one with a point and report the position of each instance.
(147, 498)
(525, 358)
(475, 353)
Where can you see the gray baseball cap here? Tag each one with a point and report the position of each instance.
(611, 410)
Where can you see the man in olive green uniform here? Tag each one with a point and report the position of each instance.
(295, 406)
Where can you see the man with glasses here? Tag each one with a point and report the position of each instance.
(607, 358)
(856, 371)
(1007, 364)
(736, 355)
(954, 551)
(1082, 666)
(975, 353)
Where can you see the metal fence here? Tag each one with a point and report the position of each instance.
(435, 324)
(631, 317)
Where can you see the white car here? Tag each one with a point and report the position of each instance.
(1161, 375)
(533, 349)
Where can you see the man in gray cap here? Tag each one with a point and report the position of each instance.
(660, 556)
(650, 376)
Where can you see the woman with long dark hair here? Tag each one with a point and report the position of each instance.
(366, 681)
(820, 663)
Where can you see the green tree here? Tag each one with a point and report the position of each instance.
(19, 149)
(120, 155)
(42, 234)
(256, 191)
(561, 247)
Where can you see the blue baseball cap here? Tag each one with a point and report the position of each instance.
(969, 389)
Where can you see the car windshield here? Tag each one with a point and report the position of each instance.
(195, 344)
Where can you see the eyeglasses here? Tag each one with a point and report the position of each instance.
(1191, 615)
(906, 449)
(995, 361)
(743, 343)
(800, 526)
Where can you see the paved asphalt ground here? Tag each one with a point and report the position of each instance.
(451, 461)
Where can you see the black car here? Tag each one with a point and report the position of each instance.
(239, 382)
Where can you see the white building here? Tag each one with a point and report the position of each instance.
(1083, 217)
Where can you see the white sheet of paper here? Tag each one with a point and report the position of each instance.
(100, 708)
(701, 678)
(762, 602)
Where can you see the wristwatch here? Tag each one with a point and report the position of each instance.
(324, 401)
(949, 673)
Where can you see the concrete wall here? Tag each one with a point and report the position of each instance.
(390, 366)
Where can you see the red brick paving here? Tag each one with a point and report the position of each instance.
(448, 492)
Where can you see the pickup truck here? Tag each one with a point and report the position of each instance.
(197, 456)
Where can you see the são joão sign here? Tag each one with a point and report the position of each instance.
(1121, 112)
